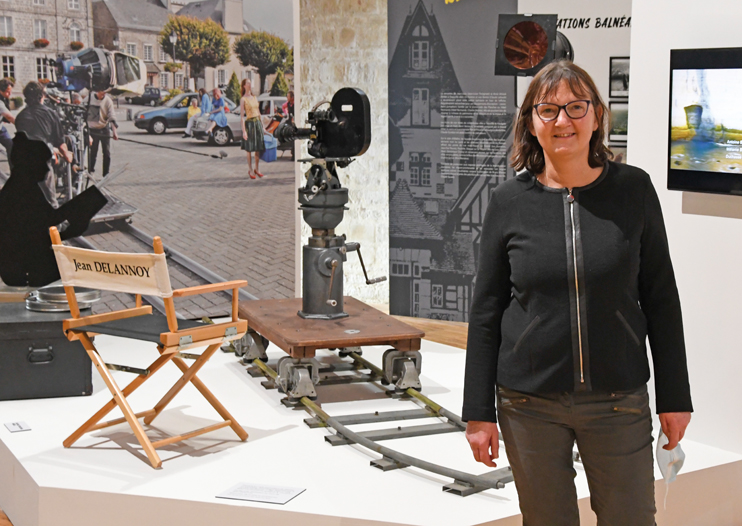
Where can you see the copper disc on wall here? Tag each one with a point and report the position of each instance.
(525, 45)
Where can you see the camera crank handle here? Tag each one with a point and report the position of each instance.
(331, 302)
(355, 246)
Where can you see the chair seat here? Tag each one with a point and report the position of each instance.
(146, 328)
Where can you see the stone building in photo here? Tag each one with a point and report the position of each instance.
(228, 14)
(134, 26)
(60, 22)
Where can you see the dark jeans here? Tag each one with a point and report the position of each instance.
(613, 432)
(105, 143)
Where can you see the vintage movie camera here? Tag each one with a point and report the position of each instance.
(336, 134)
(71, 114)
(341, 131)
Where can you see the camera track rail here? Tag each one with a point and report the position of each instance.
(463, 484)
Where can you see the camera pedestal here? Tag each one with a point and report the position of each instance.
(300, 337)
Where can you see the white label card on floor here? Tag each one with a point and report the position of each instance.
(261, 493)
(15, 427)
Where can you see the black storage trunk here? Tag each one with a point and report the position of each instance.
(36, 359)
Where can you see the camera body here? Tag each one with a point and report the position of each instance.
(342, 131)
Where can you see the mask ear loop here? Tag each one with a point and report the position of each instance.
(673, 457)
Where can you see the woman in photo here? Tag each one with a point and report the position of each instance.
(574, 274)
(217, 116)
(194, 114)
(252, 128)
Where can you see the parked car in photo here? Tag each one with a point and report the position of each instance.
(268, 104)
(173, 114)
(152, 96)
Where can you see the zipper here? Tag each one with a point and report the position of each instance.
(571, 201)
(632, 410)
(512, 401)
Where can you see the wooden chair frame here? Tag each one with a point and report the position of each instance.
(211, 336)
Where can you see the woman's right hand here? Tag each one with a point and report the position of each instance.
(484, 440)
(244, 135)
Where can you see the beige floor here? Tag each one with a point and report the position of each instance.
(446, 332)
(451, 333)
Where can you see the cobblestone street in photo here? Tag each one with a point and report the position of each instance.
(208, 209)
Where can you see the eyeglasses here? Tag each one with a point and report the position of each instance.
(547, 111)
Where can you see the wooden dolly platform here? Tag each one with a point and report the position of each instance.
(278, 321)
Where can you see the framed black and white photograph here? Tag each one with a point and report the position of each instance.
(619, 128)
(619, 152)
(619, 81)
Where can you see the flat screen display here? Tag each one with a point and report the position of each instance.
(705, 135)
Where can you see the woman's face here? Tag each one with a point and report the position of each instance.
(564, 137)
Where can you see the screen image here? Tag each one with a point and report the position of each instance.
(704, 151)
(706, 120)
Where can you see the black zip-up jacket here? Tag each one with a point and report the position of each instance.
(569, 286)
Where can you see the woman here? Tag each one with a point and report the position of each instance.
(574, 274)
(193, 109)
(194, 114)
(217, 116)
(252, 128)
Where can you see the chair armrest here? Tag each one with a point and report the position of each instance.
(214, 287)
(72, 323)
(201, 335)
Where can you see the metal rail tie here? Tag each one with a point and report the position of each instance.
(441, 411)
(493, 480)
(436, 408)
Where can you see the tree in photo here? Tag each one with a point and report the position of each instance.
(266, 52)
(233, 88)
(280, 86)
(201, 43)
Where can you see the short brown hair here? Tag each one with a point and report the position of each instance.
(34, 92)
(5, 83)
(527, 152)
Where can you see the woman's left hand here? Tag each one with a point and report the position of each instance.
(673, 426)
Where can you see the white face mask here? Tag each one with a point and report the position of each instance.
(669, 462)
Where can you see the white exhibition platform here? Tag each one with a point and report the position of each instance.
(106, 480)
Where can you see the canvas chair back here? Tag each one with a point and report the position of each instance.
(144, 274)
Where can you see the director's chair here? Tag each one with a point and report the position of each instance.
(143, 274)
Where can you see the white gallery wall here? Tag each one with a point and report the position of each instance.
(705, 231)
(344, 43)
